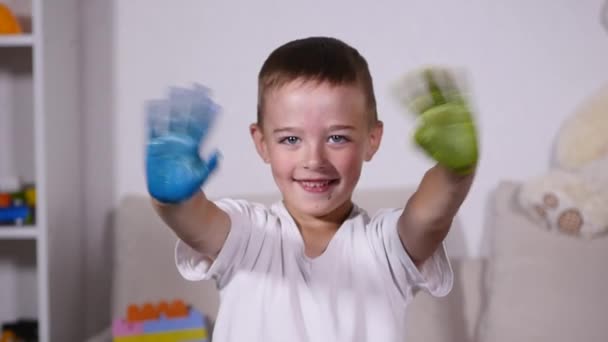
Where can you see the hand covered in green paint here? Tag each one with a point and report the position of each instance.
(446, 130)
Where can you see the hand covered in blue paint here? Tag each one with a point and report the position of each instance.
(177, 127)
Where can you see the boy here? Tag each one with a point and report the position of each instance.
(314, 266)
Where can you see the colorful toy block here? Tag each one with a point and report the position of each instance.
(18, 207)
(164, 322)
(15, 214)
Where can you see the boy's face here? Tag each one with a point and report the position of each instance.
(316, 136)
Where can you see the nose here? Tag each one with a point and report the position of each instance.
(315, 157)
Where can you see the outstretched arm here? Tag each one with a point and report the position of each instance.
(447, 134)
(428, 215)
(175, 172)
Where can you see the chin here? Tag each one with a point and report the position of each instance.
(317, 206)
(315, 209)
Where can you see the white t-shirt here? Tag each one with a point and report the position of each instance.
(357, 290)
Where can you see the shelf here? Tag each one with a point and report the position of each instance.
(18, 233)
(16, 40)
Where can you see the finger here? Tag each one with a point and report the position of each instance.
(210, 165)
(451, 83)
(433, 89)
(437, 86)
(203, 113)
(213, 161)
(157, 118)
(412, 92)
(180, 100)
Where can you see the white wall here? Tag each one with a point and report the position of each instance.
(530, 64)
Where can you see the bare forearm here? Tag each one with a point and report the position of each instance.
(429, 213)
(197, 221)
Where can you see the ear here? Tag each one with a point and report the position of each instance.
(257, 135)
(374, 139)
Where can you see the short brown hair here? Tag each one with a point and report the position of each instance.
(321, 59)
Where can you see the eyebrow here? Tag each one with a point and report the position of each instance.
(284, 129)
(331, 128)
(341, 127)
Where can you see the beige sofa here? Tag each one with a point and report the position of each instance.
(535, 285)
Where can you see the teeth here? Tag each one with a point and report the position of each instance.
(315, 184)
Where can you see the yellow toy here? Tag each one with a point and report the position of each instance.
(8, 21)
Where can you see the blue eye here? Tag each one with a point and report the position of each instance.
(338, 139)
(291, 140)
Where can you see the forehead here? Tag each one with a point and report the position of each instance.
(312, 102)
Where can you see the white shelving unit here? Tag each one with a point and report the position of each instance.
(41, 265)
(17, 40)
(21, 233)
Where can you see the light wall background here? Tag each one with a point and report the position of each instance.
(530, 64)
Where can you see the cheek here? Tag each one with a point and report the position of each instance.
(280, 162)
(350, 161)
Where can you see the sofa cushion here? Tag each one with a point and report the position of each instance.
(144, 265)
(541, 286)
(451, 318)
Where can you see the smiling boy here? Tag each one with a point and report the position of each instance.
(314, 266)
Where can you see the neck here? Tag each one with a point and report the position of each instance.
(317, 231)
(329, 222)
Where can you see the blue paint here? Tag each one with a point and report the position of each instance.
(177, 127)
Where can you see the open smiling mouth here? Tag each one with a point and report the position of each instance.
(317, 185)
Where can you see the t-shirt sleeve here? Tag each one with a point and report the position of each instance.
(435, 275)
(244, 240)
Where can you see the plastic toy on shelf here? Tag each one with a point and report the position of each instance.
(17, 205)
(23, 330)
(8, 22)
(163, 322)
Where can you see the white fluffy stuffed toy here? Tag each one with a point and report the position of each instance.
(572, 198)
